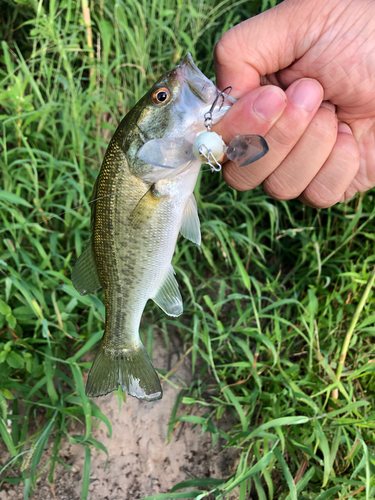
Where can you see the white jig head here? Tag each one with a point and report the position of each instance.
(208, 147)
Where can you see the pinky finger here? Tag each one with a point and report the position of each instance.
(332, 181)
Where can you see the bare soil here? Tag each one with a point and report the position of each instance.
(140, 462)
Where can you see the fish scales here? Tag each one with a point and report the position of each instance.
(138, 211)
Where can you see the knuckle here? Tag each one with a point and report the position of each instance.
(321, 196)
(349, 193)
(219, 49)
(282, 139)
(279, 188)
(323, 126)
(347, 152)
(236, 178)
(330, 186)
(224, 48)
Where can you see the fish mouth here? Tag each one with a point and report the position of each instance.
(188, 67)
(203, 88)
(198, 83)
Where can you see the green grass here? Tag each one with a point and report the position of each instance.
(271, 301)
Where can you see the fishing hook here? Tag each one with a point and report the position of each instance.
(208, 116)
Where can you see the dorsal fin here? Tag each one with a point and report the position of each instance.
(85, 275)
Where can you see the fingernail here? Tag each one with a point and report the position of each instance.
(269, 104)
(344, 128)
(307, 94)
(328, 105)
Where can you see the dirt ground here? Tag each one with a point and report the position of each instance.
(140, 462)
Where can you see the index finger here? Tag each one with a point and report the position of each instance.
(231, 66)
(263, 45)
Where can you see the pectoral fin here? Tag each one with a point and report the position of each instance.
(168, 296)
(166, 153)
(190, 227)
(85, 275)
(144, 208)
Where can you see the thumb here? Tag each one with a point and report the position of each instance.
(265, 44)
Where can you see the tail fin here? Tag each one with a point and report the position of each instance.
(133, 370)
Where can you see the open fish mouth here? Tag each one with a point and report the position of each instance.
(193, 76)
(199, 93)
(198, 82)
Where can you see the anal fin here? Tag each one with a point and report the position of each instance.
(168, 296)
(85, 275)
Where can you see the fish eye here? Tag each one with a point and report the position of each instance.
(160, 95)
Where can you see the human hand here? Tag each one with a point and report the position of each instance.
(315, 50)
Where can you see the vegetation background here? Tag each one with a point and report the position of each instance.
(278, 293)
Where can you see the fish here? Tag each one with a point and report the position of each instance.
(140, 204)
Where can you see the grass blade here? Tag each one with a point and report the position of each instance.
(84, 399)
(287, 474)
(86, 474)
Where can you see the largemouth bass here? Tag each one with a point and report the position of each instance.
(137, 212)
